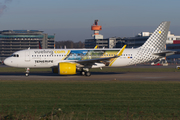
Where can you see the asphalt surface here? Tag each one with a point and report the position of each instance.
(98, 76)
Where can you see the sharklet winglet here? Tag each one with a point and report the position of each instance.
(120, 53)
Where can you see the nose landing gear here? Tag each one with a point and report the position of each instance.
(27, 72)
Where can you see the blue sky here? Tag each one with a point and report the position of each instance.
(72, 19)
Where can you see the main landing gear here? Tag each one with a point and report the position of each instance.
(27, 72)
(85, 72)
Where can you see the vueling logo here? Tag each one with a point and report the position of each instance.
(59, 51)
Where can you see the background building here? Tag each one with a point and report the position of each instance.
(172, 42)
(102, 43)
(14, 40)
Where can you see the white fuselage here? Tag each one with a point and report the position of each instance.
(45, 58)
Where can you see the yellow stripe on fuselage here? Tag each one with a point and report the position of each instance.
(66, 54)
(119, 54)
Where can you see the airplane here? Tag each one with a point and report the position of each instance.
(69, 61)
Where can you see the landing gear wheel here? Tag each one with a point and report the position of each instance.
(82, 73)
(27, 74)
(88, 74)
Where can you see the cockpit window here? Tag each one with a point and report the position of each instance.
(15, 55)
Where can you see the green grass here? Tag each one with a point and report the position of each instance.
(91, 99)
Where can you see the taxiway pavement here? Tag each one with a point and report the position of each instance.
(96, 76)
(99, 76)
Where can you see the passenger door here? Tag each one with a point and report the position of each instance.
(27, 56)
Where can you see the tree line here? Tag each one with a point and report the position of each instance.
(69, 44)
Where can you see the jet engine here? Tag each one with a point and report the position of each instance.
(65, 68)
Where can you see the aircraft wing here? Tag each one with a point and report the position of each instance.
(91, 61)
(165, 53)
(96, 60)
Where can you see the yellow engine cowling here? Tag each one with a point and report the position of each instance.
(65, 68)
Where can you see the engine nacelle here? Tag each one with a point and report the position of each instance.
(65, 68)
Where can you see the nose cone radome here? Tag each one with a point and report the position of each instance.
(7, 62)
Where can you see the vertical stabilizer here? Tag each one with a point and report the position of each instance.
(158, 39)
(40, 47)
(155, 44)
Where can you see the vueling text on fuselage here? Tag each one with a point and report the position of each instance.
(49, 52)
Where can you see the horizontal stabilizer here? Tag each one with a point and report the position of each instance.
(165, 53)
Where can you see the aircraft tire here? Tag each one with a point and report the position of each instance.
(88, 74)
(27, 74)
(82, 73)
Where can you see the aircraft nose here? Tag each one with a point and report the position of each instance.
(7, 61)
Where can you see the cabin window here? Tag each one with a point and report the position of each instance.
(15, 55)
